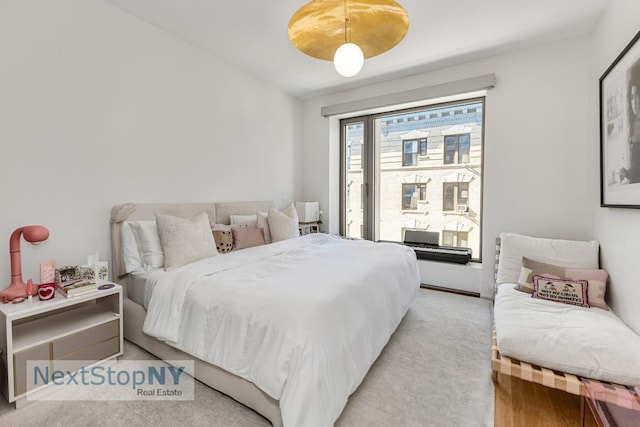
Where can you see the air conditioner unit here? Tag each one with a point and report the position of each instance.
(463, 208)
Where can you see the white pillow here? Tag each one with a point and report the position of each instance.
(263, 222)
(568, 253)
(283, 225)
(184, 241)
(130, 253)
(246, 220)
(148, 241)
(220, 227)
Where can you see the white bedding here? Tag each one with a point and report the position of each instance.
(136, 285)
(588, 342)
(303, 319)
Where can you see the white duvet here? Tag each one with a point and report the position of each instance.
(589, 342)
(302, 319)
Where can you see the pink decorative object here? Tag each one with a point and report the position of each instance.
(17, 287)
(30, 290)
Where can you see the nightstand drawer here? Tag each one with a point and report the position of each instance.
(20, 360)
(93, 353)
(81, 340)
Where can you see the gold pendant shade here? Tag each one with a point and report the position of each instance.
(318, 27)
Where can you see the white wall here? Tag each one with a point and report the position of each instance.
(535, 138)
(617, 229)
(98, 108)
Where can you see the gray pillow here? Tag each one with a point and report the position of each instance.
(185, 240)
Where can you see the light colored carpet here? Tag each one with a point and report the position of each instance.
(435, 371)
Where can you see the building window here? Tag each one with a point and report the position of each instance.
(455, 238)
(411, 194)
(455, 196)
(423, 146)
(410, 152)
(456, 149)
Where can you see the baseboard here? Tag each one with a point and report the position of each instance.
(450, 290)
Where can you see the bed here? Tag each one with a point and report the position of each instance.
(560, 345)
(289, 329)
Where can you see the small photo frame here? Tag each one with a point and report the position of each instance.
(70, 273)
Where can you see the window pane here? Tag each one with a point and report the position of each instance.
(423, 147)
(463, 193)
(448, 191)
(354, 179)
(447, 238)
(423, 192)
(410, 153)
(463, 143)
(409, 197)
(449, 150)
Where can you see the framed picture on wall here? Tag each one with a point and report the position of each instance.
(620, 130)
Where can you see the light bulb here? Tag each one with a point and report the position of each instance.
(348, 59)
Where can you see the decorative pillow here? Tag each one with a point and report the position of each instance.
(246, 220)
(146, 233)
(185, 240)
(572, 292)
(597, 280)
(570, 253)
(532, 268)
(283, 225)
(263, 222)
(224, 240)
(244, 237)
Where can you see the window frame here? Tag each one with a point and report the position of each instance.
(414, 154)
(420, 188)
(375, 122)
(456, 195)
(455, 160)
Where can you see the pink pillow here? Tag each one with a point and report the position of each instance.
(244, 237)
(597, 280)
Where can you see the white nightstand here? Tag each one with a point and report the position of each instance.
(83, 328)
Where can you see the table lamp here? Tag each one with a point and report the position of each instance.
(33, 234)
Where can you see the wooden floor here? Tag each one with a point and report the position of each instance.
(525, 404)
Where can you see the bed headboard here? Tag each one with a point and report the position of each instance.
(218, 212)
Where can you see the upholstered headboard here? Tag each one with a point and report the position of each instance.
(218, 212)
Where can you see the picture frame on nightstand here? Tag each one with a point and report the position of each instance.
(69, 273)
(308, 228)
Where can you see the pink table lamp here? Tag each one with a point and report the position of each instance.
(32, 234)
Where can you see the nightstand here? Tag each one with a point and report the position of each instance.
(308, 228)
(85, 328)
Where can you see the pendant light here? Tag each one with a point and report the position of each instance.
(348, 31)
(348, 59)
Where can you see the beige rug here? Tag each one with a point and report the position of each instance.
(435, 371)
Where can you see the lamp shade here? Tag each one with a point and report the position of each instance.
(318, 27)
(308, 211)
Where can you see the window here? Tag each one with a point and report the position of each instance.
(423, 147)
(411, 194)
(389, 169)
(456, 149)
(455, 238)
(410, 152)
(455, 196)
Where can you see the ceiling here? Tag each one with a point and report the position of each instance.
(252, 34)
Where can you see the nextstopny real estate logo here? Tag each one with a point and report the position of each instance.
(114, 380)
